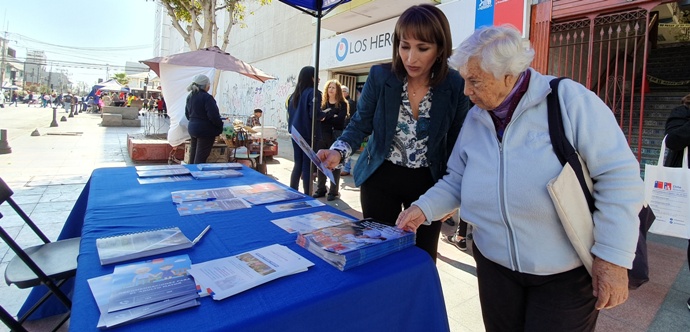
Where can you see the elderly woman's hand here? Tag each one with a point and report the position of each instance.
(330, 158)
(610, 283)
(410, 219)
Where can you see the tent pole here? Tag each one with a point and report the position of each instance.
(216, 79)
(316, 106)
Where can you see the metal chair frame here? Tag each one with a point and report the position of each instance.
(41, 277)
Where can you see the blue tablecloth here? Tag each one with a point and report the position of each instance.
(400, 292)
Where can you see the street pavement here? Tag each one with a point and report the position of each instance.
(48, 172)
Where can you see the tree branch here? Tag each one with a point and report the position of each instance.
(175, 21)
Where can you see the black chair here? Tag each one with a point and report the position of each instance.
(49, 264)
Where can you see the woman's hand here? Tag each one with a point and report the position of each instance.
(330, 158)
(610, 283)
(410, 219)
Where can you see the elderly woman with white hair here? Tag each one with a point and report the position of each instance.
(530, 277)
(205, 123)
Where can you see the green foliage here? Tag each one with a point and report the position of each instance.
(189, 17)
(121, 78)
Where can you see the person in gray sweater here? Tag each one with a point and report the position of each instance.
(530, 277)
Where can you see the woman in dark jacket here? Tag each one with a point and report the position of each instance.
(336, 109)
(413, 110)
(204, 119)
(300, 115)
(677, 139)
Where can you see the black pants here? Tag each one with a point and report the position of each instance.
(200, 149)
(301, 169)
(514, 301)
(389, 189)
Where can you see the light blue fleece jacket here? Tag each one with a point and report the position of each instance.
(502, 185)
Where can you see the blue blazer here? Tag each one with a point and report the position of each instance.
(302, 116)
(377, 117)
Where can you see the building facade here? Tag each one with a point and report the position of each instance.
(11, 69)
(35, 67)
(280, 40)
(610, 46)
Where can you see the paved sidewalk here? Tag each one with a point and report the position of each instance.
(48, 172)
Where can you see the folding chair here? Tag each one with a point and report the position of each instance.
(49, 264)
(241, 139)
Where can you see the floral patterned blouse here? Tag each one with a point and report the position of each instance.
(409, 143)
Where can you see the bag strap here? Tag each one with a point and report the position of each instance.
(561, 146)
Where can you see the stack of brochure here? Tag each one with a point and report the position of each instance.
(143, 290)
(162, 173)
(218, 174)
(218, 166)
(224, 277)
(355, 243)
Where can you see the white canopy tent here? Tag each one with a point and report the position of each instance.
(175, 80)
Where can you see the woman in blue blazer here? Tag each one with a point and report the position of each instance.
(412, 110)
(301, 116)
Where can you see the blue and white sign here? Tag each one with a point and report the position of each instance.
(374, 43)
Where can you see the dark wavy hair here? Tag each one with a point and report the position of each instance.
(426, 23)
(305, 79)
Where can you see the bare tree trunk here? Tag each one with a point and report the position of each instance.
(226, 35)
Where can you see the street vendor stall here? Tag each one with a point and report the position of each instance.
(265, 139)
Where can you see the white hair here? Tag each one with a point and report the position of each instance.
(199, 82)
(500, 50)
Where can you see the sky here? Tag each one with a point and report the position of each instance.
(81, 33)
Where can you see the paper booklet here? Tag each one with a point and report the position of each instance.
(354, 243)
(259, 193)
(144, 289)
(161, 179)
(294, 206)
(163, 172)
(200, 207)
(219, 174)
(124, 247)
(224, 277)
(297, 137)
(264, 193)
(212, 194)
(308, 222)
(218, 166)
(159, 167)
